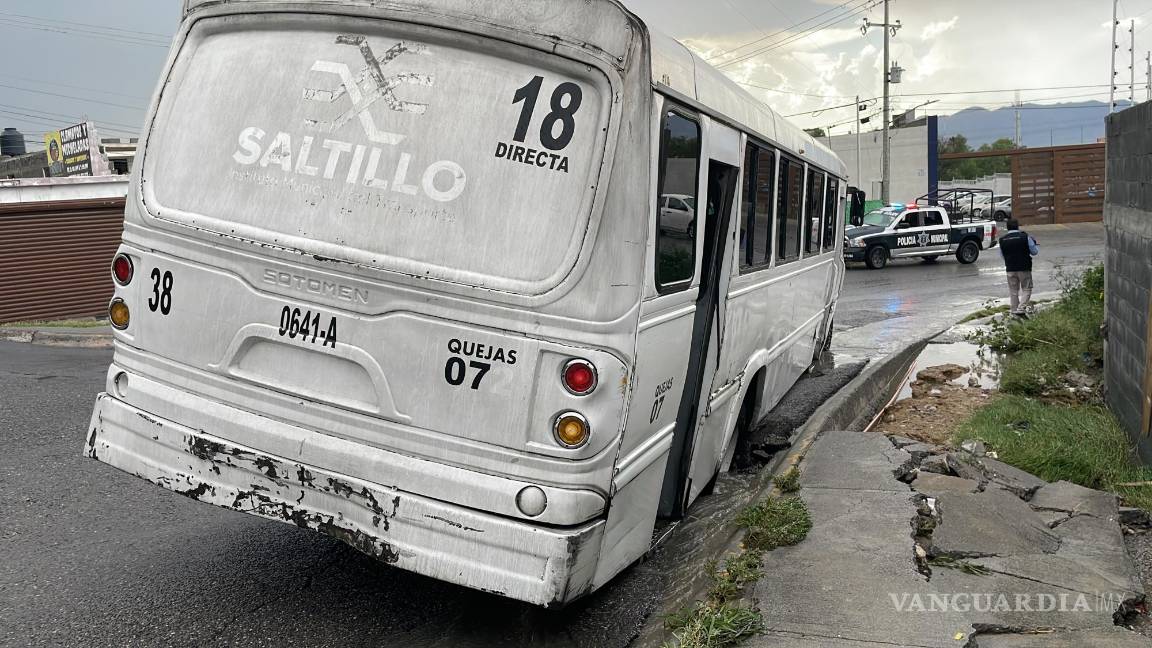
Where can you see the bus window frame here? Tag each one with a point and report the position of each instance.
(743, 252)
(672, 108)
(781, 228)
(810, 170)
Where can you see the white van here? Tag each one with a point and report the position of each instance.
(395, 272)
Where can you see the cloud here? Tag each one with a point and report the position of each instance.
(934, 29)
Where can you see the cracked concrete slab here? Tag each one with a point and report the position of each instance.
(987, 470)
(853, 582)
(1110, 637)
(873, 455)
(1073, 498)
(992, 523)
(935, 485)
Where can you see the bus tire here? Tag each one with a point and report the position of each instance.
(876, 257)
(968, 253)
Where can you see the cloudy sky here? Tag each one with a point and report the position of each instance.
(805, 55)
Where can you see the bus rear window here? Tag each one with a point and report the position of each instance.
(400, 147)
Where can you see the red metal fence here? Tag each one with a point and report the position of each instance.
(54, 257)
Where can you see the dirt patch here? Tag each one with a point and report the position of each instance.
(935, 409)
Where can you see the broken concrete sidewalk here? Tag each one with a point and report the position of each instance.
(990, 569)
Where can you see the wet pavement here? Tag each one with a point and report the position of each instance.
(881, 310)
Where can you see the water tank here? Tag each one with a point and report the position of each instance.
(12, 142)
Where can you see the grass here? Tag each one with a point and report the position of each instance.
(788, 482)
(1080, 443)
(722, 618)
(948, 562)
(775, 523)
(1041, 351)
(64, 323)
(987, 311)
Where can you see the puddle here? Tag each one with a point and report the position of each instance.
(982, 364)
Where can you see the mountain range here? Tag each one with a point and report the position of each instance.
(1040, 124)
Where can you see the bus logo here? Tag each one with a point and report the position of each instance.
(367, 88)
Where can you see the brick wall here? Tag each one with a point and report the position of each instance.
(1128, 267)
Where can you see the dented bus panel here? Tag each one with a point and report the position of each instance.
(391, 273)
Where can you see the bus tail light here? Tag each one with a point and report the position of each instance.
(118, 314)
(122, 269)
(571, 430)
(579, 377)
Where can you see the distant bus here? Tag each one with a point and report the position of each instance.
(482, 288)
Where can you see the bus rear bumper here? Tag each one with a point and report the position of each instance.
(540, 565)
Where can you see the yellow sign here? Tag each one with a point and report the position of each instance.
(54, 146)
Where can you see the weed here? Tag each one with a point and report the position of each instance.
(948, 562)
(990, 309)
(712, 624)
(775, 523)
(739, 570)
(1066, 337)
(1083, 444)
(788, 482)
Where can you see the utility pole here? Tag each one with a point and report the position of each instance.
(1132, 64)
(890, 30)
(859, 183)
(1017, 119)
(1148, 59)
(1112, 71)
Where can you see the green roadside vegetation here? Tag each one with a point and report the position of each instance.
(1049, 418)
(723, 618)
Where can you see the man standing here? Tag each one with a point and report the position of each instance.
(1018, 248)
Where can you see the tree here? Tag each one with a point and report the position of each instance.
(815, 132)
(972, 169)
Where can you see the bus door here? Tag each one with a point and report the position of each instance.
(695, 446)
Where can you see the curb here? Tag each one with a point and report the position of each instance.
(58, 338)
(853, 407)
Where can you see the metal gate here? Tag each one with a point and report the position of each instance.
(56, 255)
(1059, 184)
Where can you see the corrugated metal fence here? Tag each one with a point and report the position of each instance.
(55, 258)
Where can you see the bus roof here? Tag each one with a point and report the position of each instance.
(605, 25)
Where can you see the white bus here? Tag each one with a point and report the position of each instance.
(480, 287)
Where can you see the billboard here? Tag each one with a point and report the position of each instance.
(69, 151)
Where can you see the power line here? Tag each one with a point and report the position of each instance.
(774, 34)
(64, 96)
(859, 9)
(73, 87)
(69, 22)
(791, 92)
(101, 33)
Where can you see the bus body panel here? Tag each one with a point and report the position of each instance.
(228, 385)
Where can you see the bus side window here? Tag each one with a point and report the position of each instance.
(833, 214)
(756, 210)
(789, 206)
(813, 211)
(675, 228)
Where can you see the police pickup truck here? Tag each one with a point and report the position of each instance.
(919, 230)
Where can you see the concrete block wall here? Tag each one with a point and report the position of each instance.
(1128, 268)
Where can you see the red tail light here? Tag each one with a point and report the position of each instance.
(579, 377)
(122, 269)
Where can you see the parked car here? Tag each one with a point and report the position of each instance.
(1003, 210)
(981, 208)
(678, 213)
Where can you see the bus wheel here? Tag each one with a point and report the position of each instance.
(968, 252)
(876, 257)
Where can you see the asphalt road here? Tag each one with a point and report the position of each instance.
(90, 556)
(880, 310)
